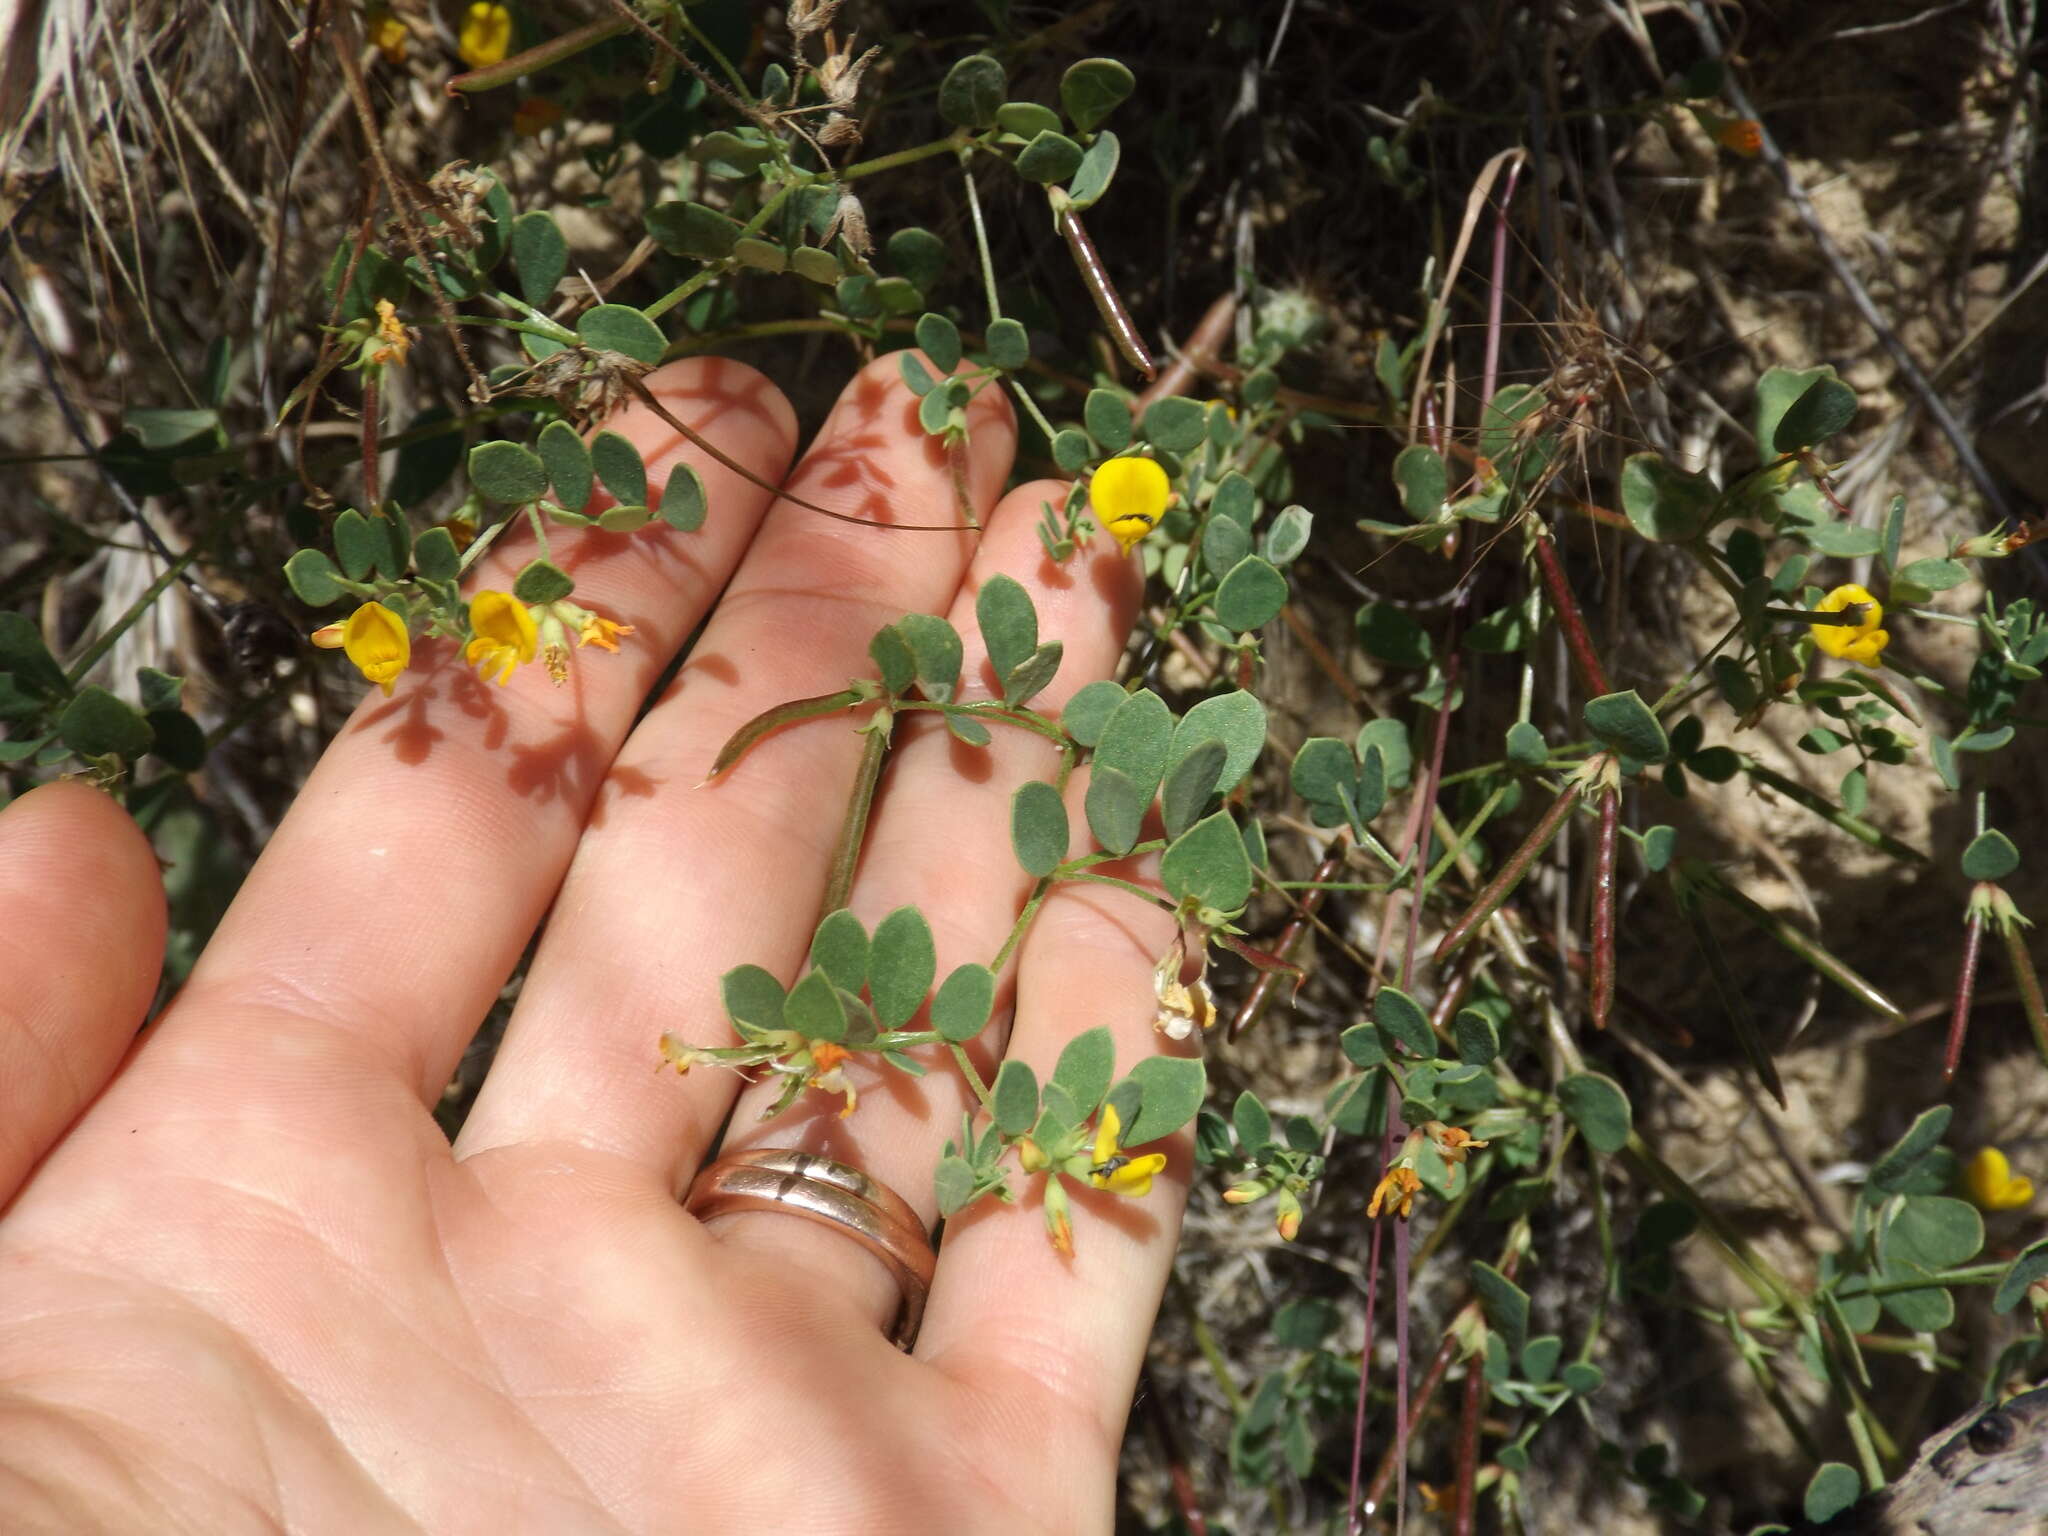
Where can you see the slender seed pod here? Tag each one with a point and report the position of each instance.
(1103, 292)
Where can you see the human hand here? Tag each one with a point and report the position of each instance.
(246, 1284)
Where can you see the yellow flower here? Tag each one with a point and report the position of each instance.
(1397, 1191)
(1129, 497)
(1989, 1179)
(505, 635)
(486, 35)
(534, 114)
(602, 633)
(1743, 136)
(390, 36)
(828, 1063)
(1113, 1170)
(1452, 1142)
(1862, 641)
(392, 340)
(375, 639)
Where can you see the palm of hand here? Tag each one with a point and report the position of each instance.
(250, 1285)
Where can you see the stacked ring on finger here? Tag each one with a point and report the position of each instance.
(837, 1196)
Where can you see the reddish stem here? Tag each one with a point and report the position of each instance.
(1255, 1000)
(2029, 983)
(1511, 873)
(1966, 989)
(1468, 1446)
(1108, 303)
(1197, 355)
(1603, 908)
(1354, 1524)
(1577, 641)
(371, 499)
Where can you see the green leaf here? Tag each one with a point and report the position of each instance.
(901, 964)
(1623, 723)
(1823, 408)
(1401, 1018)
(1254, 1126)
(1086, 1065)
(1025, 681)
(1086, 715)
(1009, 622)
(1540, 1356)
(691, 229)
(1115, 810)
(1189, 784)
(1173, 1089)
(426, 465)
(1840, 540)
(312, 576)
(1209, 864)
(968, 729)
(1008, 344)
(1895, 1169)
(1176, 423)
(365, 544)
(1832, 1489)
(618, 465)
(1933, 1232)
(2030, 1266)
(1990, 856)
(1137, 740)
(1582, 1378)
(1038, 828)
(814, 1008)
(1016, 1098)
(953, 1184)
(1391, 635)
(1092, 89)
(1224, 543)
(539, 256)
(964, 1001)
(935, 650)
(753, 998)
(1363, 1047)
(1526, 746)
(1071, 450)
(1598, 1107)
(820, 267)
(1048, 158)
(840, 950)
(1236, 500)
(159, 429)
(158, 690)
(507, 472)
(973, 91)
(1098, 169)
(1478, 1040)
(569, 466)
(621, 328)
(940, 340)
(179, 742)
(97, 724)
(1503, 438)
(1936, 575)
(1251, 596)
(1325, 774)
(1776, 391)
(1026, 119)
(1662, 501)
(539, 581)
(1107, 416)
(1389, 737)
(1289, 535)
(682, 500)
(1236, 719)
(1505, 1304)
(761, 255)
(917, 256)
(1423, 481)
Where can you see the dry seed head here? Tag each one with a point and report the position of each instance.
(850, 223)
(808, 16)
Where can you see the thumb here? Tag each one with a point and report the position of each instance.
(83, 942)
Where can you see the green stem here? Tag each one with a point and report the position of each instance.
(1464, 838)
(988, 270)
(135, 610)
(718, 57)
(753, 226)
(540, 530)
(853, 830)
(966, 1066)
(1827, 811)
(902, 157)
(1139, 891)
